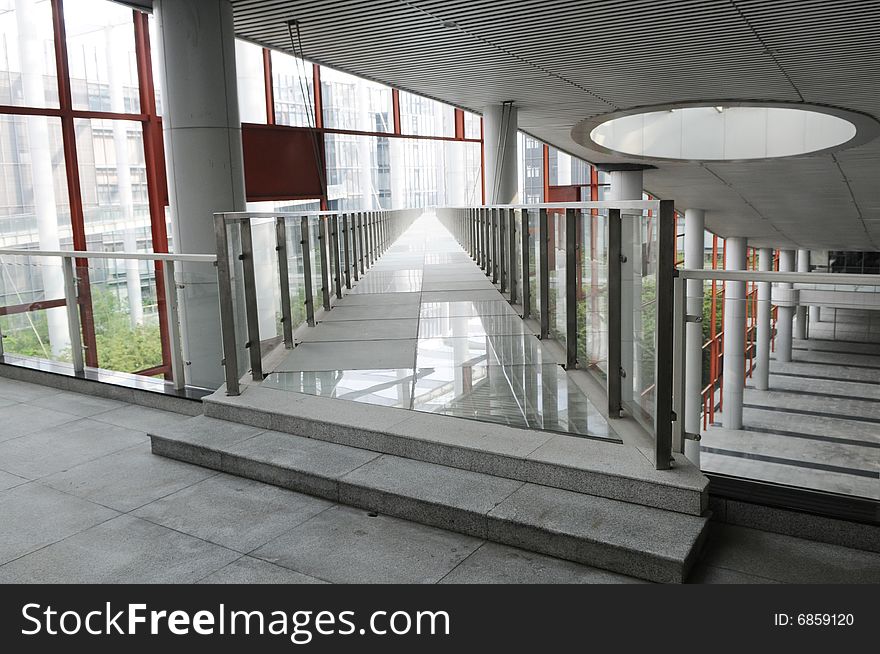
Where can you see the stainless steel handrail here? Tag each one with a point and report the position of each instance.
(71, 297)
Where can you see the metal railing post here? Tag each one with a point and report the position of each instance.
(493, 256)
(346, 250)
(172, 317)
(572, 252)
(486, 264)
(227, 307)
(71, 302)
(615, 288)
(511, 246)
(284, 281)
(663, 381)
(472, 227)
(354, 246)
(334, 251)
(502, 249)
(250, 300)
(362, 250)
(544, 272)
(307, 270)
(325, 267)
(526, 264)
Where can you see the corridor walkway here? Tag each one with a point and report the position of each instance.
(425, 330)
(821, 414)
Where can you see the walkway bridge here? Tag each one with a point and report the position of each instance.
(454, 367)
(415, 388)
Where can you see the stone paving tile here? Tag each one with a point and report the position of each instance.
(500, 564)
(77, 404)
(237, 513)
(345, 545)
(22, 419)
(140, 418)
(33, 516)
(248, 570)
(127, 479)
(65, 446)
(8, 480)
(20, 391)
(124, 550)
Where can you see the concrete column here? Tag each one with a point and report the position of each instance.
(784, 315)
(694, 246)
(761, 374)
(30, 53)
(803, 265)
(734, 335)
(499, 142)
(817, 259)
(628, 185)
(203, 154)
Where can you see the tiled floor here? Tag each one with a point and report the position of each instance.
(424, 329)
(817, 427)
(84, 500)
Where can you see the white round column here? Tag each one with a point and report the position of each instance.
(694, 248)
(761, 373)
(41, 151)
(203, 153)
(499, 145)
(800, 326)
(734, 335)
(627, 185)
(784, 315)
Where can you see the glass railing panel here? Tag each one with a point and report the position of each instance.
(268, 289)
(295, 272)
(124, 308)
(28, 285)
(638, 312)
(593, 294)
(318, 273)
(556, 268)
(195, 285)
(534, 257)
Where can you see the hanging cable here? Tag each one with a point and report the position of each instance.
(311, 117)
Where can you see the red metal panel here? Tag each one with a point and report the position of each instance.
(267, 83)
(459, 124)
(395, 109)
(280, 162)
(570, 193)
(319, 102)
(546, 171)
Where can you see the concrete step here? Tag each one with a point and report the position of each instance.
(596, 467)
(635, 540)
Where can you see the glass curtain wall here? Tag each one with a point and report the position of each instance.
(76, 170)
(87, 135)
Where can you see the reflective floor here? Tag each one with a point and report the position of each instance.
(425, 330)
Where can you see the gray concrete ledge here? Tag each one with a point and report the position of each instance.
(822, 529)
(613, 470)
(641, 541)
(153, 400)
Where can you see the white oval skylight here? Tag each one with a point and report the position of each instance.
(720, 132)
